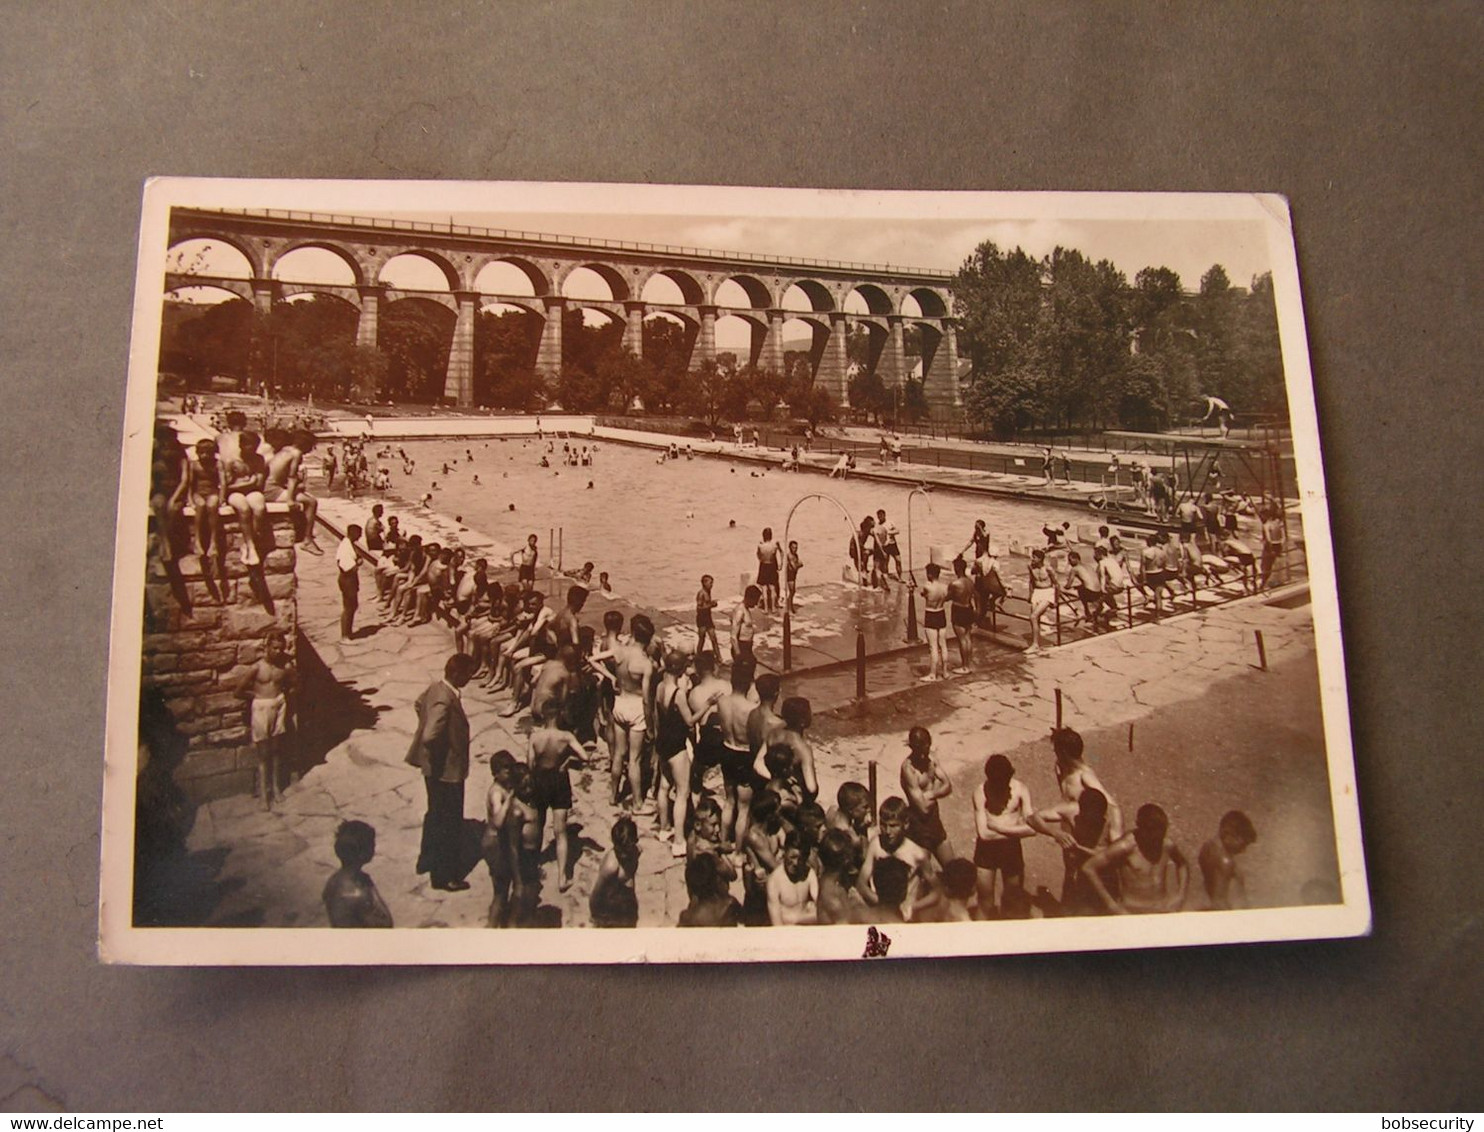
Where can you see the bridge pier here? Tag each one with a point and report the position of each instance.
(549, 351)
(773, 348)
(458, 385)
(894, 364)
(940, 384)
(834, 364)
(633, 333)
(705, 348)
(367, 326)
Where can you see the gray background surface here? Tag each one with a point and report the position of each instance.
(1369, 121)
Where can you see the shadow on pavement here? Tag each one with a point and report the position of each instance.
(331, 710)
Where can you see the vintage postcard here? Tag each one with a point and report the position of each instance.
(558, 573)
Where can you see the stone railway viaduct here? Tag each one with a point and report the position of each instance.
(461, 254)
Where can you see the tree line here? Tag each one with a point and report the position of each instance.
(1060, 343)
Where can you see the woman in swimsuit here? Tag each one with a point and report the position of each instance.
(1043, 595)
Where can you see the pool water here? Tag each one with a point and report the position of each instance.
(657, 527)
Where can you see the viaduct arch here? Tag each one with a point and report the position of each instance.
(461, 253)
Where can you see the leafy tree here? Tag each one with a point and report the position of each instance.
(1259, 353)
(505, 347)
(623, 376)
(997, 300)
(869, 394)
(818, 407)
(763, 387)
(1013, 401)
(667, 348)
(707, 391)
(199, 342)
(915, 405)
(415, 335)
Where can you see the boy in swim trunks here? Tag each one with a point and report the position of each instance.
(553, 751)
(1084, 576)
(961, 614)
(768, 552)
(633, 712)
(705, 618)
(1045, 592)
(1225, 885)
(923, 782)
(733, 711)
(499, 855)
(935, 622)
(792, 564)
(524, 561)
(266, 683)
(285, 482)
(744, 624)
(204, 485)
(1001, 809)
(244, 478)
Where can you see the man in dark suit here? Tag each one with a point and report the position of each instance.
(440, 749)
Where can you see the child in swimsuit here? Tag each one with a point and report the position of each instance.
(935, 621)
(1043, 595)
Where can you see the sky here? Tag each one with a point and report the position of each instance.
(1188, 246)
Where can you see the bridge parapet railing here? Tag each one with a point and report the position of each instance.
(433, 227)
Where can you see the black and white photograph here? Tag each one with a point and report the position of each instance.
(833, 575)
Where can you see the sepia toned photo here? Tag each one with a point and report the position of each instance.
(549, 573)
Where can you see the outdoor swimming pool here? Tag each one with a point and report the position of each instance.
(657, 527)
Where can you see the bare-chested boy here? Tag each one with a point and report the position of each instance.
(711, 905)
(962, 614)
(892, 841)
(633, 711)
(706, 617)
(499, 852)
(744, 624)
(768, 554)
(793, 889)
(1074, 775)
(1001, 807)
(923, 782)
(553, 752)
(851, 815)
(1152, 872)
(893, 902)
(706, 839)
(350, 896)
(244, 476)
(523, 827)
(733, 711)
(1225, 885)
(613, 902)
(935, 621)
(204, 485)
(761, 853)
(839, 861)
(764, 721)
(797, 715)
(267, 683)
(285, 482)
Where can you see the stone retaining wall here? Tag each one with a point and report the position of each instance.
(198, 648)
